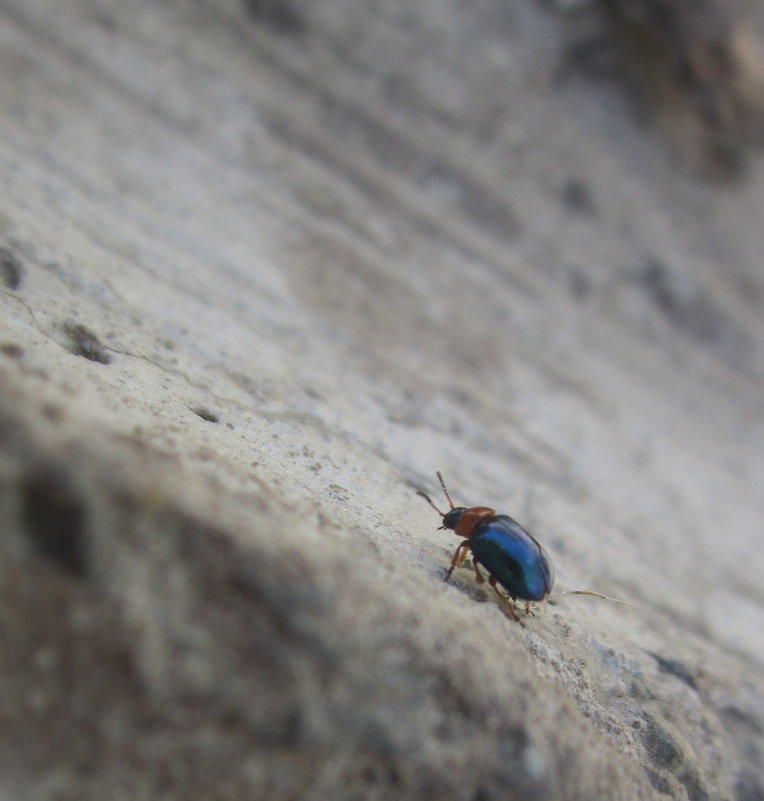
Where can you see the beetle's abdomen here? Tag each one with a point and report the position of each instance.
(510, 554)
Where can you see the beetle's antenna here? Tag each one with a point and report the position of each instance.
(596, 595)
(443, 484)
(427, 498)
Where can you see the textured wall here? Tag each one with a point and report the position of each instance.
(265, 267)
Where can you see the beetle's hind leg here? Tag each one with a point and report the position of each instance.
(505, 602)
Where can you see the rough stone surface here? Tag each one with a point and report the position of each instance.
(264, 268)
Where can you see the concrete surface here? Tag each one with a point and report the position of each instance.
(265, 268)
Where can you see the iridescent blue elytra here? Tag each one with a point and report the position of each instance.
(508, 552)
(511, 555)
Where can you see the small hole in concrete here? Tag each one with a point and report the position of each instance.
(54, 518)
(83, 342)
(10, 269)
(206, 414)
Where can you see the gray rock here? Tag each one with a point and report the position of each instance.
(263, 270)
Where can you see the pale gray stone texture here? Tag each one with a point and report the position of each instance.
(265, 267)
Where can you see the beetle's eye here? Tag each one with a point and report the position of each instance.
(450, 519)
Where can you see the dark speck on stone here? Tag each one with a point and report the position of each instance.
(675, 668)
(663, 749)
(579, 284)
(278, 15)
(11, 350)
(54, 518)
(206, 414)
(83, 342)
(10, 269)
(577, 197)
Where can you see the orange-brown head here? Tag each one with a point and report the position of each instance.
(461, 520)
(464, 521)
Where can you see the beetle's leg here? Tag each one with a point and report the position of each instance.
(459, 556)
(505, 602)
(528, 611)
(478, 574)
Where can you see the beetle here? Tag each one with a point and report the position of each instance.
(513, 557)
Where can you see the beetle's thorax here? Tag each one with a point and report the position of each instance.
(464, 521)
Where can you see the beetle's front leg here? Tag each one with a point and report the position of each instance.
(459, 556)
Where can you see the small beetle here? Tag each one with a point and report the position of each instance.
(512, 556)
